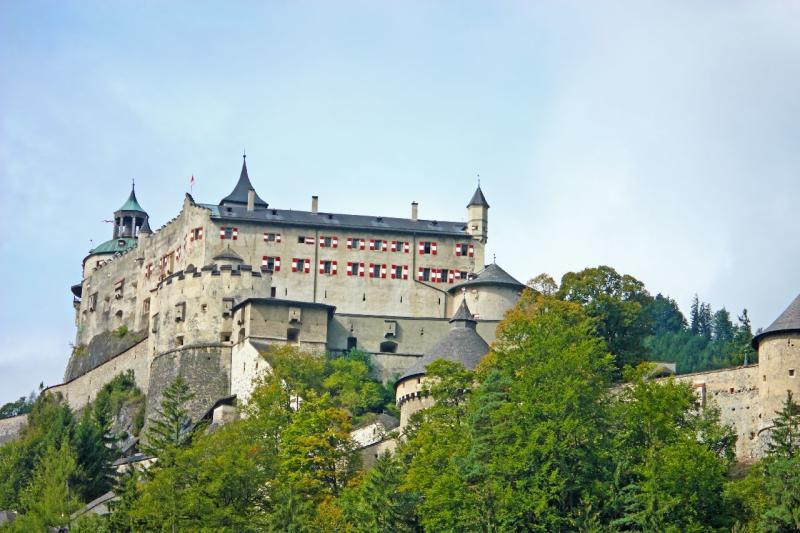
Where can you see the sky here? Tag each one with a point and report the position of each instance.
(660, 138)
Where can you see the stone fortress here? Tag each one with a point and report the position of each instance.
(210, 290)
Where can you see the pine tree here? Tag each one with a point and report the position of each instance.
(694, 317)
(786, 430)
(172, 425)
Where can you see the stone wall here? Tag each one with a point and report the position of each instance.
(735, 392)
(779, 372)
(84, 388)
(102, 348)
(10, 428)
(206, 368)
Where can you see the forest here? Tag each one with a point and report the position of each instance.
(559, 428)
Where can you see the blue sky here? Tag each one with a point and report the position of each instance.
(661, 138)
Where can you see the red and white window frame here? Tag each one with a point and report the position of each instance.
(356, 243)
(328, 241)
(400, 246)
(430, 245)
(377, 270)
(465, 249)
(224, 230)
(300, 264)
(399, 272)
(355, 268)
(276, 262)
(333, 267)
(196, 234)
(270, 236)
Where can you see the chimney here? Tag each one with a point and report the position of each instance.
(251, 200)
(414, 210)
(314, 204)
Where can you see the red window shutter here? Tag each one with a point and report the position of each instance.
(371, 270)
(394, 271)
(361, 268)
(277, 264)
(221, 233)
(278, 237)
(451, 276)
(349, 243)
(422, 247)
(295, 262)
(394, 246)
(458, 249)
(335, 241)
(433, 248)
(383, 271)
(199, 233)
(264, 261)
(420, 274)
(349, 268)
(405, 271)
(308, 266)
(472, 250)
(333, 268)
(321, 266)
(371, 244)
(362, 244)
(406, 247)
(322, 241)
(235, 233)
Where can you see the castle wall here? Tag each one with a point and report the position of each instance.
(83, 389)
(206, 369)
(10, 428)
(368, 295)
(736, 392)
(410, 399)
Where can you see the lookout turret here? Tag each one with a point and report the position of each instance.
(130, 218)
(478, 216)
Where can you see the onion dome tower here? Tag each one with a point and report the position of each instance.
(243, 194)
(462, 344)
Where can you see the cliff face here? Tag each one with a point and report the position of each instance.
(101, 349)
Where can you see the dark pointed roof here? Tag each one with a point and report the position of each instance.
(490, 275)
(228, 255)
(787, 322)
(462, 344)
(145, 227)
(132, 204)
(478, 198)
(239, 194)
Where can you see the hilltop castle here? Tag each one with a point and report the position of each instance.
(210, 290)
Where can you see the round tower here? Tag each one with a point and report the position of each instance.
(778, 362)
(489, 293)
(461, 344)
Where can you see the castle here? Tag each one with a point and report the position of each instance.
(210, 290)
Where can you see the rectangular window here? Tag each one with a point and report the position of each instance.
(229, 233)
(400, 246)
(377, 270)
(196, 234)
(227, 306)
(302, 239)
(378, 245)
(327, 267)
(118, 287)
(272, 237)
(424, 274)
(356, 243)
(355, 269)
(331, 241)
(93, 301)
(427, 247)
(399, 271)
(148, 270)
(301, 265)
(465, 249)
(272, 263)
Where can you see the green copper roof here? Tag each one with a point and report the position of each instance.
(132, 204)
(122, 244)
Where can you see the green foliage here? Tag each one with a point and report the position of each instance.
(172, 426)
(19, 407)
(120, 331)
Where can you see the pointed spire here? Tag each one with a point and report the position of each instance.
(478, 198)
(787, 322)
(463, 314)
(145, 229)
(132, 204)
(239, 194)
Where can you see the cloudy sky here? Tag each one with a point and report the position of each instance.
(662, 139)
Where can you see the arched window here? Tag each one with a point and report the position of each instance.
(389, 347)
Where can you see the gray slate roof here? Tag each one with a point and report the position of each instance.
(239, 194)
(788, 321)
(478, 198)
(333, 221)
(228, 255)
(490, 275)
(462, 344)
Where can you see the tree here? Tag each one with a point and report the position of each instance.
(543, 284)
(785, 434)
(665, 315)
(95, 450)
(172, 426)
(19, 407)
(48, 500)
(722, 327)
(618, 303)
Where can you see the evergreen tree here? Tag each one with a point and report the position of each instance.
(172, 426)
(95, 450)
(694, 317)
(785, 434)
(665, 315)
(722, 327)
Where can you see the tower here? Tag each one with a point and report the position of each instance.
(478, 216)
(130, 218)
(243, 194)
(778, 362)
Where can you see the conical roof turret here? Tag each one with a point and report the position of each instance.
(787, 322)
(238, 197)
(478, 198)
(132, 204)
